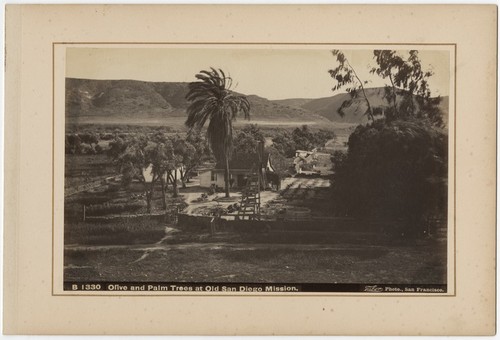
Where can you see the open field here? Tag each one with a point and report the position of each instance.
(177, 123)
(173, 122)
(296, 257)
(278, 123)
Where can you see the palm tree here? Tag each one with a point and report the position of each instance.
(212, 99)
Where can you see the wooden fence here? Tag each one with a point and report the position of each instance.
(323, 224)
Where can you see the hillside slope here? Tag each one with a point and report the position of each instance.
(125, 101)
(328, 106)
(142, 102)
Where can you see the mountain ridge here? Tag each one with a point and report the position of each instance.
(124, 101)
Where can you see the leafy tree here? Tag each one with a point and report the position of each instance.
(116, 147)
(194, 150)
(161, 156)
(89, 138)
(140, 154)
(389, 62)
(211, 99)
(305, 139)
(284, 144)
(73, 144)
(280, 163)
(255, 131)
(408, 94)
(346, 75)
(301, 139)
(171, 161)
(395, 171)
(166, 159)
(131, 164)
(410, 82)
(396, 168)
(247, 140)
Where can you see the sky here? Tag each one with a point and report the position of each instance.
(273, 72)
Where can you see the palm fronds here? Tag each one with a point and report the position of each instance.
(212, 100)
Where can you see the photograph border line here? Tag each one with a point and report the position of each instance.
(299, 294)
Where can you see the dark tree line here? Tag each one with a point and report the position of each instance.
(301, 138)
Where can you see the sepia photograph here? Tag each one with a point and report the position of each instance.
(249, 168)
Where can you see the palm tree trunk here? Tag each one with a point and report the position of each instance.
(226, 177)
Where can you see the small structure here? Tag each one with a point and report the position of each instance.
(241, 167)
(304, 160)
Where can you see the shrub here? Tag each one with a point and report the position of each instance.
(394, 170)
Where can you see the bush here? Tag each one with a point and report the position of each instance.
(394, 170)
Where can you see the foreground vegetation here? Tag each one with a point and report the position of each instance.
(396, 165)
(272, 257)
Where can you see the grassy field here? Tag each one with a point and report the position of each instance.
(272, 257)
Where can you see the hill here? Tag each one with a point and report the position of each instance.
(296, 102)
(131, 101)
(142, 102)
(328, 106)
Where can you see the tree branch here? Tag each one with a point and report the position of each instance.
(370, 111)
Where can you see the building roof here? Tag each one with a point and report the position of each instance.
(245, 161)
